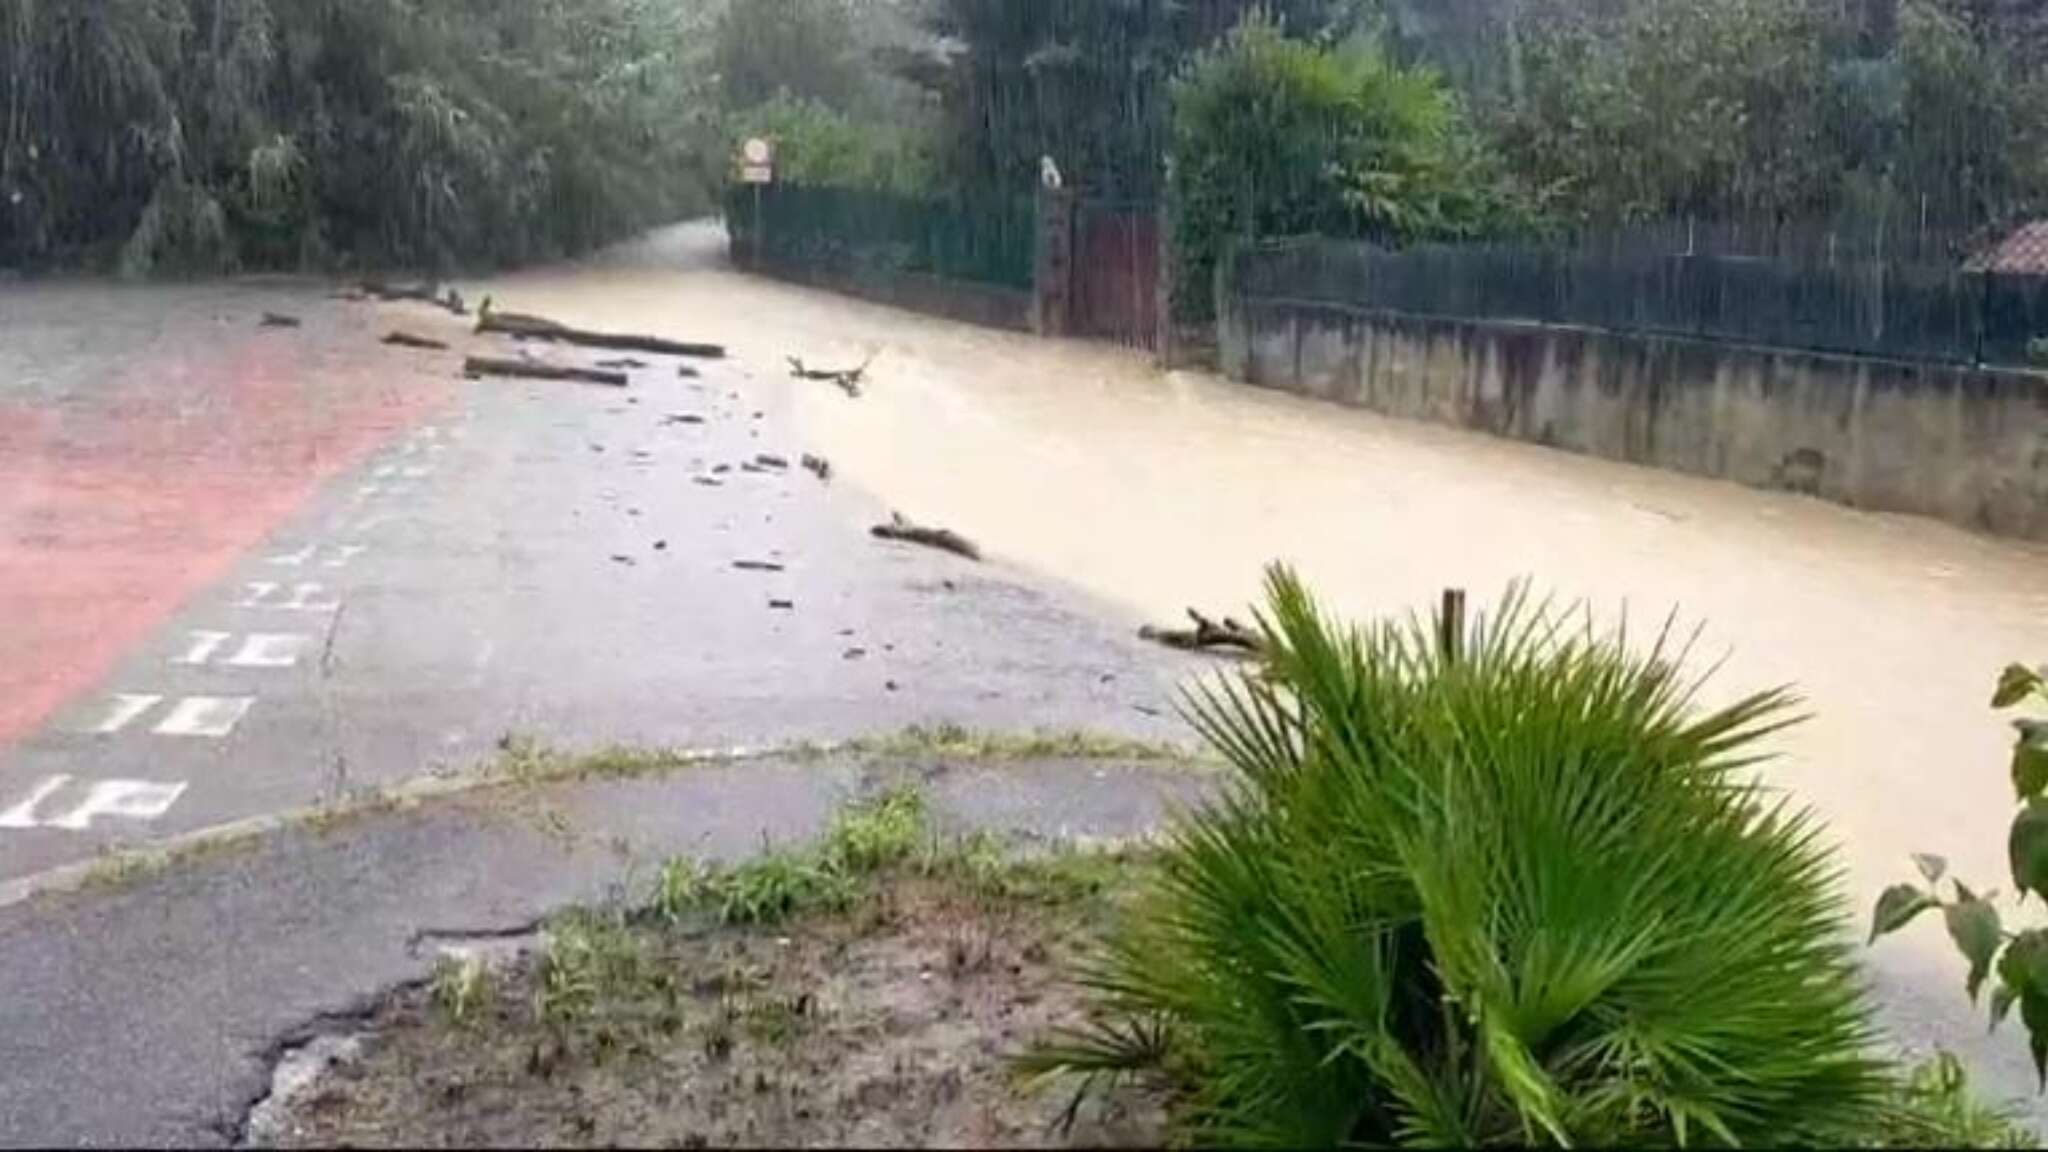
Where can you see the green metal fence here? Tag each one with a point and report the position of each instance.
(857, 232)
(1909, 310)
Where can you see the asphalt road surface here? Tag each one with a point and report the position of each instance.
(249, 569)
(244, 570)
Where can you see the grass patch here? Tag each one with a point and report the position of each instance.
(1933, 1106)
(954, 741)
(865, 989)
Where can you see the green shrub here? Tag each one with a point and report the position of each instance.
(821, 147)
(1521, 893)
(1279, 137)
(2019, 959)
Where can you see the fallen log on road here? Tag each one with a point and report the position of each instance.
(541, 328)
(279, 320)
(1207, 635)
(427, 293)
(944, 539)
(476, 366)
(408, 340)
(848, 379)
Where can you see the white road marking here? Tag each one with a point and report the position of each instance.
(384, 471)
(417, 472)
(128, 706)
(209, 716)
(203, 646)
(23, 815)
(123, 799)
(337, 556)
(304, 598)
(270, 650)
(366, 491)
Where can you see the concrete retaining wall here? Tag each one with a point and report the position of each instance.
(1967, 445)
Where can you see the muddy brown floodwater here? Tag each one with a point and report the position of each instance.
(1160, 491)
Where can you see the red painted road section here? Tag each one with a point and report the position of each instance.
(119, 506)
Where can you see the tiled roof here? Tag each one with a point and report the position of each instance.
(2025, 252)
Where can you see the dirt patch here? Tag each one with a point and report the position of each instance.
(889, 1024)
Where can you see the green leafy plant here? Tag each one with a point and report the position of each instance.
(1274, 136)
(1511, 888)
(777, 885)
(1933, 1107)
(2018, 959)
(462, 988)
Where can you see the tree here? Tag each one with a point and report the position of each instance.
(1274, 136)
(1673, 107)
(201, 134)
(805, 49)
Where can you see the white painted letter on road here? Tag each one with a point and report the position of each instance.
(269, 650)
(23, 815)
(128, 706)
(122, 799)
(202, 648)
(209, 716)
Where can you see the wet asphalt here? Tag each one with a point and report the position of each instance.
(565, 563)
(154, 1013)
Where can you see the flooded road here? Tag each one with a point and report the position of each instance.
(1161, 491)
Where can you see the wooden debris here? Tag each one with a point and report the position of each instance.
(1207, 635)
(782, 605)
(476, 366)
(819, 467)
(944, 539)
(408, 340)
(622, 362)
(491, 321)
(279, 320)
(428, 293)
(848, 379)
(686, 372)
(766, 460)
(757, 566)
(681, 418)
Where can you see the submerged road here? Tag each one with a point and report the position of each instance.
(245, 570)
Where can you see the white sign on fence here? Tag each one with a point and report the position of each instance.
(759, 161)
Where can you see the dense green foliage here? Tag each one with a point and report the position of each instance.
(2018, 960)
(1081, 81)
(1899, 115)
(1509, 890)
(818, 145)
(1277, 137)
(814, 77)
(207, 134)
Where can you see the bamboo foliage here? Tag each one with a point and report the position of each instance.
(197, 135)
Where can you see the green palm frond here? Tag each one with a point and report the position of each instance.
(1520, 892)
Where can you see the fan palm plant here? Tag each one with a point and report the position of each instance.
(1518, 891)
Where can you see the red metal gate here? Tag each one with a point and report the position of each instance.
(1116, 273)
